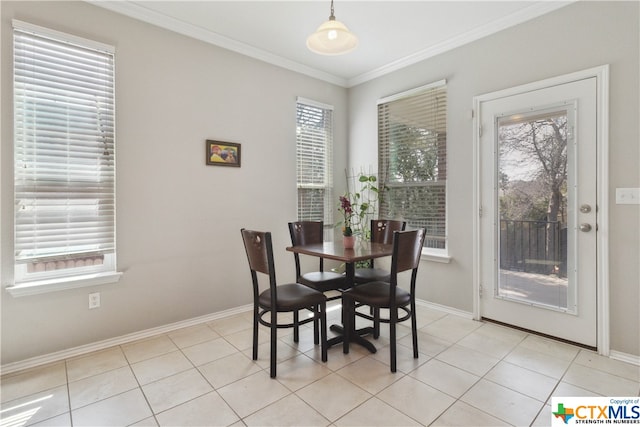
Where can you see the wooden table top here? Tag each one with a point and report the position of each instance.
(362, 251)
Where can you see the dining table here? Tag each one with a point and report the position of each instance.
(362, 251)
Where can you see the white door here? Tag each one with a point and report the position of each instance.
(537, 193)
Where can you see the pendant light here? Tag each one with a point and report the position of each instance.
(332, 38)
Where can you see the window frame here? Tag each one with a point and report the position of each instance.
(327, 146)
(27, 278)
(428, 253)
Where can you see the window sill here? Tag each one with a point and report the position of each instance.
(436, 255)
(61, 284)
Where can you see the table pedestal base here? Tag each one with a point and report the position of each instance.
(356, 337)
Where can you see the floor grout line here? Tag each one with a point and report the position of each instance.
(224, 332)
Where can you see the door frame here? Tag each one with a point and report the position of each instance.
(601, 73)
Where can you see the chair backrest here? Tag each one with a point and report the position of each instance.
(407, 248)
(259, 249)
(306, 233)
(382, 230)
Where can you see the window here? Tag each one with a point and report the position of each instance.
(64, 157)
(412, 160)
(314, 145)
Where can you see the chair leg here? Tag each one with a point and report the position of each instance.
(323, 326)
(376, 322)
(393, 319)
(414, 329)
(255, 332)
(296, 327)
(274, 341)
(316, 320)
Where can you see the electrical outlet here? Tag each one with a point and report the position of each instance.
(94, 300)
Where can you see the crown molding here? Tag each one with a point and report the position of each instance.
(512, 20)
(138, 12)
(151, 17)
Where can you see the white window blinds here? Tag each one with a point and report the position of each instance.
(412, 150)
(64, 148)
(314, 144)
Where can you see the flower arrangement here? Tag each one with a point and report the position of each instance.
(359, 207)
(347, 212)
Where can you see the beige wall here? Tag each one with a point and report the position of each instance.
(178, 220)
(178, 224)
(576, 37)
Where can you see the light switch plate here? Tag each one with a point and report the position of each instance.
(628, 196)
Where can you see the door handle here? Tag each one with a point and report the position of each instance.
(585, 227)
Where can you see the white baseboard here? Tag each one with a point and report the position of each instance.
(124, 339)
(135, 336)
(616, 355)
(444, 308)
(625, 357)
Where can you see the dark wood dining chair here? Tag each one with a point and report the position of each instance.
(291, 297)
(308, 233)
(407, 248)
(381, 232)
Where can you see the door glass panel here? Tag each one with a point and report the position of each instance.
(533, 208)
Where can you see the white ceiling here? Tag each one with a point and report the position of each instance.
(392, 33)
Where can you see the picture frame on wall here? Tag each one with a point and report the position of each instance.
(221, 153)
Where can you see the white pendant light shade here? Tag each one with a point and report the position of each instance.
(332, 38)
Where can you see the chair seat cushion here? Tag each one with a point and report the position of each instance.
(292, 296)
(364, 275)
(377, 294)
(323, 280)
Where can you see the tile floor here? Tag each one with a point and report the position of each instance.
(468, 373)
